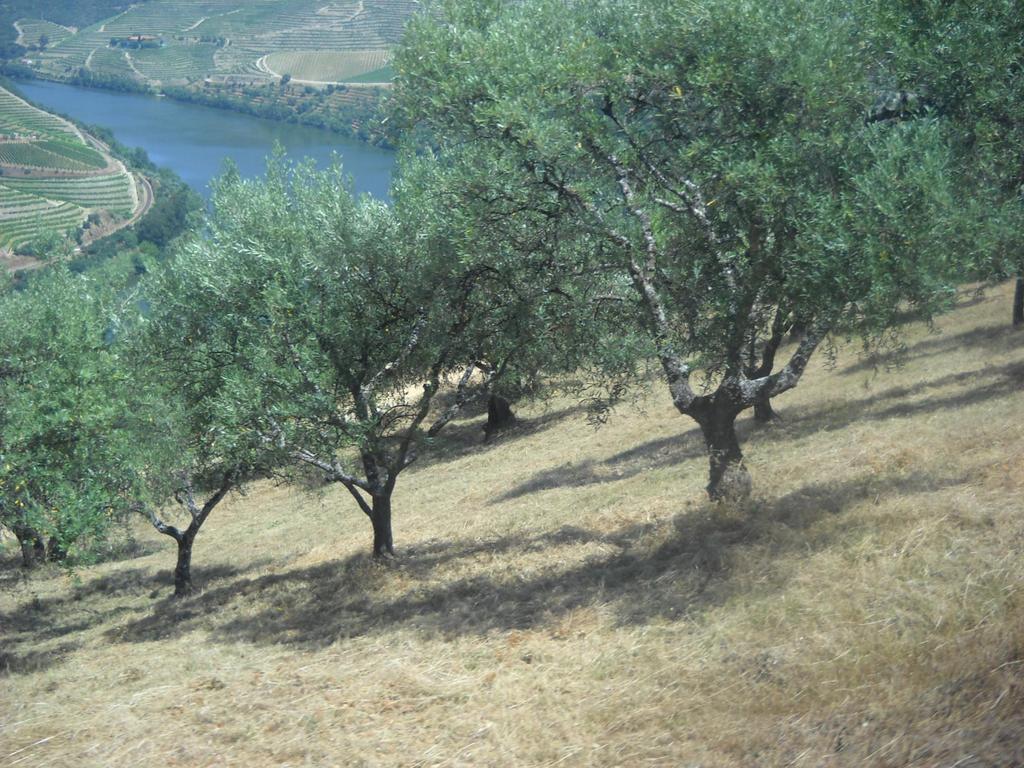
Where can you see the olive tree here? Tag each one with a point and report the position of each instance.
(542, 322)
(196, 356)
(721, 154)
(329, 326)
(67, 460)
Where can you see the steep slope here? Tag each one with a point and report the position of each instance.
(170, 42)
(568, 597)
(53, 177)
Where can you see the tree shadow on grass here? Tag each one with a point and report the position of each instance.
(655, 454)
(897, 402)
(673, 450)
(82, 607)
(996, 338)
(686, 573)
(465, 438)
(30, 662)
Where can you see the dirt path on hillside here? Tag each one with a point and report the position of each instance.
(13, 262)
(103, 26)
(131, 65)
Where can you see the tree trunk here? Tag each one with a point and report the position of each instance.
(33, 550)
(183, 569)
(499, 416)
(763, 411)
(1018, 303)
(729, 479)
(383, 543)
(56, 552)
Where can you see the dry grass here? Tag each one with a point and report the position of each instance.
(568, 598)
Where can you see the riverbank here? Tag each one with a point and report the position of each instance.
(348, 110)
(60, 184)
(194, 140)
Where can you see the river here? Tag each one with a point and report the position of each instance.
(193, 140)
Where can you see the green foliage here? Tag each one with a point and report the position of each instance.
(722, 157)
(962, 61)
(720, 152)
(67, 455)
(170, 215)
(299, 295)
(357, 117)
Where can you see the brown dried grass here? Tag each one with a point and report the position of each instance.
(567, 597)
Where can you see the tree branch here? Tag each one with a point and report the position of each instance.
(366, 391)
(366, 508)
(185, 496)
(780, 324)
(226, 484)
(676, 371)
(333, 469)
(777, 383)
(168, 530)
(464, 396)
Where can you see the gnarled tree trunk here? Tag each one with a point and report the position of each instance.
(728, 478)
(499, 416)
(33, 549)
(183, 567)
(56, 552)
(763, 411)
(185, 538)
(383, 540)
(1018, 303)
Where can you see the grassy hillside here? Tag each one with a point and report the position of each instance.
(22, 21)
(568, 597)
(221, 38)
(52, 177)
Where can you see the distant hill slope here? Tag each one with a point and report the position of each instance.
(175, 42)
(56, 181)
(62, 13)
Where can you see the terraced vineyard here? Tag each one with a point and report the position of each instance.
(32, 156)
(53, 178)
(313, 40)
(113, 192)
(32, 30)
(18, 116)
(326, 66)
(22, 222)
(174, 62)
(74, 51)
(109, 61)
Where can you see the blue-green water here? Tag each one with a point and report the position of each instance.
(194, 140)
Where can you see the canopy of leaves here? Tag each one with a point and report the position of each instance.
(719, 151)
(67, 453)
(308, 319)
(964, 61)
